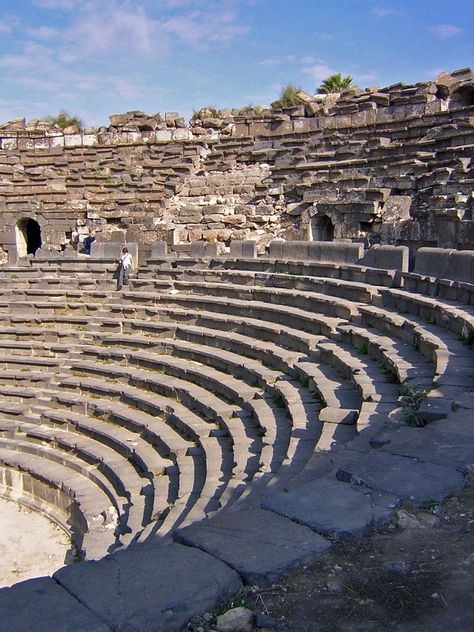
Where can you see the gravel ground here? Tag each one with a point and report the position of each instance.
(30, 544)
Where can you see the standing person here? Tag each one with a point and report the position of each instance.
(123, 270)
(88, 241)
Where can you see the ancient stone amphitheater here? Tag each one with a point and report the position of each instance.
(244, 401)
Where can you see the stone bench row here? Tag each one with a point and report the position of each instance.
(134, 437)
(261, 413)
(53, 487)
(333, 287)
(146, 342)
(225, 323)
(125, 486)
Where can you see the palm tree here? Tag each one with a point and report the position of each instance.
(336, 83)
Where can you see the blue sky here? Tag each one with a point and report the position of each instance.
(100, 57)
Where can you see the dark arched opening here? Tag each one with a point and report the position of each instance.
(322, 229)
(28, 237)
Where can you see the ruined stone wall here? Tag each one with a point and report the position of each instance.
(390, 165)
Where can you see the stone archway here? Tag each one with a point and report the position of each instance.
(322, 228)
(28, 236)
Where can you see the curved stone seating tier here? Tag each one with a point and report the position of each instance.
(446, 350)
(171, 279)
(312, 268)
(34, 479)
(394, 356)
(227, 396)
(122, 483)
(447, 314)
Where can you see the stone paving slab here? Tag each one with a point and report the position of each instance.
(43, 605)
(453, 448)
(150, 588)
(333, 508)
(434, 408)
(258, 544)
(404, 477)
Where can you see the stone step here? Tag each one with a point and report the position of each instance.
(370, 381)
(443, 348)
(308, 321)
(131, 493)
(447, 314)
(394, 356)
(78, 500)
(264, 412)
(333, 287)
(310, 301)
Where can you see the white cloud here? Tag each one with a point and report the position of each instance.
(37, 84)
(319, 72)
(112, 27)
(445, 31)
(385, 12)
(201, 27)
(269, 63)
(34, 56)
(43, 32)
(57, 4)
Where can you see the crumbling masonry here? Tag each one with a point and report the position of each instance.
(382, 165)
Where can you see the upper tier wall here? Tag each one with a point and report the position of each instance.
(351, 109)
(390, 165)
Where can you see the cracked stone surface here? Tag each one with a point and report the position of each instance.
(404, 477)
(43, 605)
(150, 588)
(333, 508)
(257, 543)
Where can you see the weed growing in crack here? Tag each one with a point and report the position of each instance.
(411, 398)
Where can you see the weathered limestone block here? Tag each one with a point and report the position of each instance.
(200, 249)
(159, 249)
(432, 261)
(397, 208)
(163, 135)
(450, 80)
(182, 134)
(113, 250)
(387, 257)
(243, 249)
(15, 124)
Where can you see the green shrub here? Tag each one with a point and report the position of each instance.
(411, 398)
(362, 349)
(288, 97)
(63, 119)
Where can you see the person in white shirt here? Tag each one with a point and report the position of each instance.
(124, 266)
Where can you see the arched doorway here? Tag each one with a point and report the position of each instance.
(322, 229)
(28, 236)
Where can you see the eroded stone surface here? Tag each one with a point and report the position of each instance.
(405, 477)
(259, 544)
(150, 588)
(43, 605)
(331, 507)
